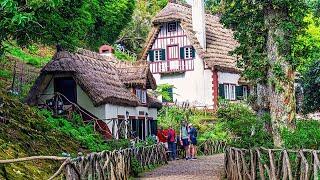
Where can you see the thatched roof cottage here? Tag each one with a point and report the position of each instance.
(190, 49)
(102, 86)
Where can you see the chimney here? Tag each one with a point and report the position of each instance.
(198, 21)
(106, 50)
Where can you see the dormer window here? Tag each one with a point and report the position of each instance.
(142, 95)
(172, 26)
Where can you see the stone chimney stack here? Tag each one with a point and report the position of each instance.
(198, 21)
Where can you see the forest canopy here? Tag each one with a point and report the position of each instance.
(68, 23)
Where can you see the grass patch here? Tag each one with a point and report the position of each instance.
(26, 57)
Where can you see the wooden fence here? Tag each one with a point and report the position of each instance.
(111, 165)
(207, 148)
(261, 163)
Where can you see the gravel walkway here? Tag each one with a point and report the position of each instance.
(206, 167)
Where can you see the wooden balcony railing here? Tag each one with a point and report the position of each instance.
(172, 66)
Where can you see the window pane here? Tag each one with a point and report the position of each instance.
(138, 93)
(144, 96)
(226, 91)
(232, 92)
(157, 55)
(187, 53)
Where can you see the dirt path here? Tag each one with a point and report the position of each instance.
(206, 168)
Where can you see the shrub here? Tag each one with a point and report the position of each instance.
(243, 124)
(305, 136)
(136, 168)
(84, 133)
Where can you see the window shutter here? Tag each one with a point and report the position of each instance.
(182, 53)
(221, 90)
(193, 52)
(163, 54)
(151, 55)
(239, 92)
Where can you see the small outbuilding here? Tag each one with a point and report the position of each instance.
(111, 91)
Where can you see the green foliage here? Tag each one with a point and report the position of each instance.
(305, 136)
(202, 120)
(32, 59)
(136, 168)
(84, 133)
(123, 56)
(163, 90)
(215, 6)
(244, 126)
(87, 23)
(248, 19)
(5, 74)
(311, 84)
(217, 132)
(134, 35)
(310, 41)
(172, 116)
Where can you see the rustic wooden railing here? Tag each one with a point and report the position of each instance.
(207, 148)
(103, 165)
(261, 163)
(111, 165)
(211, 147)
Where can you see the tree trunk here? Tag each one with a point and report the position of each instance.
(280, 87)
(262, 101)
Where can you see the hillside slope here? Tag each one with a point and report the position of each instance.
(25, 133)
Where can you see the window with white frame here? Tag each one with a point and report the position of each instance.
(142, 95)
(157, 55)
(172, 27)
(229, 91)
(232, 92)
(245, 92)
(187, 53)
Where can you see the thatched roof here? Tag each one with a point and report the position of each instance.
(219, 39)
(97, 75)
(136, 74)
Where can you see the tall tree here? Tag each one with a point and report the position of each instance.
(267, 31)
(69, 23)
(134, 35)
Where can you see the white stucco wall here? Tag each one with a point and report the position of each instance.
(228, 78)
(85, 102)
(194, 86)
(112, 111)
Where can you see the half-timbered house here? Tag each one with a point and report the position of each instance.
(106, 90)
(190, 49)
